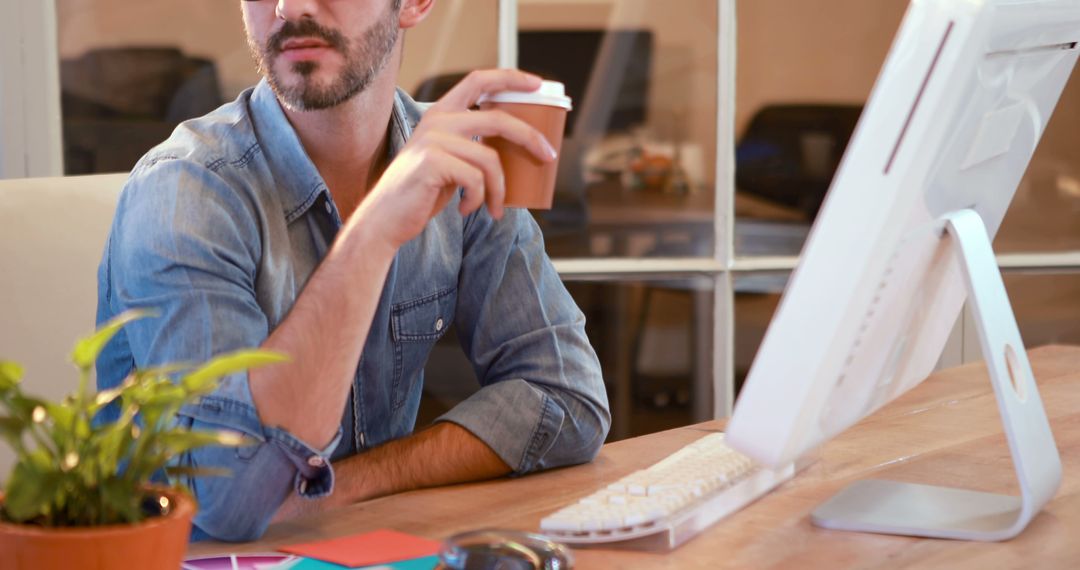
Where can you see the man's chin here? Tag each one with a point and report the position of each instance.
(305, 95)
(312, 88)
(299, 72)
(294, 82)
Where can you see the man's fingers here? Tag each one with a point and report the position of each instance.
(450, 127)
(468, 91)
(484, 159)
(458, 172)
(496, 123)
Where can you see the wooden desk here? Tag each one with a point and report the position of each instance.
(946, 431)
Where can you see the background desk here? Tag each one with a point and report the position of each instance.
(946, 431)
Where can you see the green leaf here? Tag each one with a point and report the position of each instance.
(168, 445)
(118, 496)
(104, 398)
(138, 392)
(179, 441)
(23, 407)
(114, 440)
(41, 461)
(63, 417)
(10, 375)
(203, 380)
(87, 349)
(165, 395)
(11, 429)
(68, 427)
(30, 491)
(163, 371)
(83, 430)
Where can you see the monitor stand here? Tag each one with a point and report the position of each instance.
(892, 507)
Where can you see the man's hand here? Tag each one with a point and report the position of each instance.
(442, 155)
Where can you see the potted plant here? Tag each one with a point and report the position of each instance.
(80, 493)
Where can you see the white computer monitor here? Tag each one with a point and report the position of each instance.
(902, 239)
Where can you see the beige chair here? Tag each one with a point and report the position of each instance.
(52, 234)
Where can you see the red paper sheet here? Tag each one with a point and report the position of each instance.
(379, 547)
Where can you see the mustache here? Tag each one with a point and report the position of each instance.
(305, 28)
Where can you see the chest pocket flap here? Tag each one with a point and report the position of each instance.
(424, 319)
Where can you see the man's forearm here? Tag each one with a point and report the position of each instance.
(323, 334)
(443, 454)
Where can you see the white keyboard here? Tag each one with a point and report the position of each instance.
(677, 497)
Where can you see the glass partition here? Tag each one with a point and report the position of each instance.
(637, 170)
(804, 71)
(1045, 213)
(798, 107)
(1047, 306)
(757, 296)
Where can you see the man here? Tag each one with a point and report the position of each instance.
(318, 216)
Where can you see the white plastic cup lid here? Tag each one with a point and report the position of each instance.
(550, 93)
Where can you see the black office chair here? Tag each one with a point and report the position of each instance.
(117, 103)
(433, 88)
(790, 152)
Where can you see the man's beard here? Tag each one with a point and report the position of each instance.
(364, 58)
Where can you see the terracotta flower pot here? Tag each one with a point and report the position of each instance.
(157, 542)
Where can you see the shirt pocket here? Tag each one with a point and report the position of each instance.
(417, 325)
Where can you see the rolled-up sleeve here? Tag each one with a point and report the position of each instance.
(543, 403)
(186, 245)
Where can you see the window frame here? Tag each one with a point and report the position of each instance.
(30, 121)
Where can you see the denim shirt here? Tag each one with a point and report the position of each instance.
(219, 228)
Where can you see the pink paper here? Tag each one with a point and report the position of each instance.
(379, 547)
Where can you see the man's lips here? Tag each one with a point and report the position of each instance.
(303, 43)
(301, 49)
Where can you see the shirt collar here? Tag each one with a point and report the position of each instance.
(300, 182)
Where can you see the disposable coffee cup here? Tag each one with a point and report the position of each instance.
(530, 182)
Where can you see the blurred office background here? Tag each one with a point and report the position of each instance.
(688, 257)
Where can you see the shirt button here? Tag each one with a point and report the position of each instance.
(303, 486)
(316, 461)
(439, 324)
(329, 208)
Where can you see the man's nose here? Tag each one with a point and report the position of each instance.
(295, 10)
